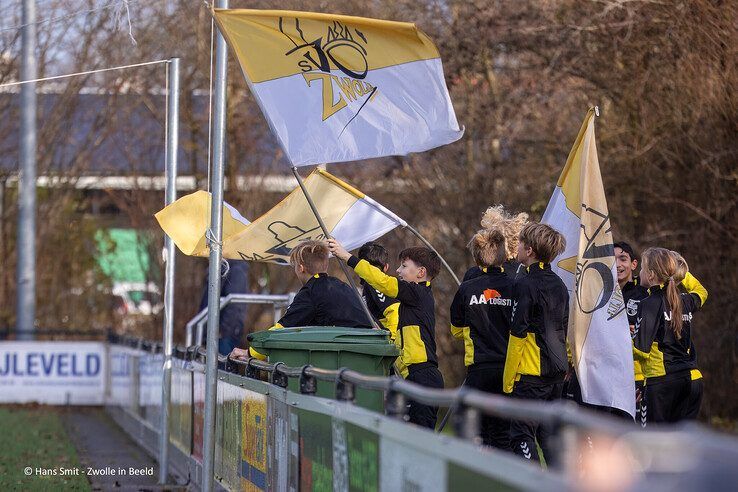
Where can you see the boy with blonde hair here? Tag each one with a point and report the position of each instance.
(322, 301)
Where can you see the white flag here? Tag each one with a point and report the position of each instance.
(337, 88)
(599, 336)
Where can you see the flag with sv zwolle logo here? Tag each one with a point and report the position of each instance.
(336, 88)
(599, 337)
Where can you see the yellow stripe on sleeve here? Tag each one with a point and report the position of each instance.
(458, 331)
(515, 347)
(386, 284)
(694, 286)
(391, 319)
(639, 355)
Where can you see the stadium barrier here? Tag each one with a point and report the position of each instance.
(270, 438)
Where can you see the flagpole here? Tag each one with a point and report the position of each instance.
(430, 246)
(328, 235)
(215, 238)
(172, 142)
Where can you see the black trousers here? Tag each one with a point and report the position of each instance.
(641, 408)
(669, 398)
(488, 378)
(695, 399)
(426, 375)
(523, 433)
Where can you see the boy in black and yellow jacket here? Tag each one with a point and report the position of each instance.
(416, 323)
(626, 263)
(480, 315)
(536, 361)
(322, 301)
(384, 308)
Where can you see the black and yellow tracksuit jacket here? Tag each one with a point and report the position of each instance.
(480, 315)
(384, 308)
(416, 315)
(655, 344)
(540, 317)
(633, 294)
(322, 301)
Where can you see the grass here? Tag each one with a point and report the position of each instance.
(34, 437)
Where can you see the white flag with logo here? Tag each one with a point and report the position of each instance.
(349, 215)
(599, 336)
(336, 88)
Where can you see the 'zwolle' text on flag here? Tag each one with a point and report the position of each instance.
(349, 215)
(336, 88)
(599, 336)
(186, 221)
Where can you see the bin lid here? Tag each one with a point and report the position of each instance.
(320, 334)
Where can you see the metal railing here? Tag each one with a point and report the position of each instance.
(677, 451)
(470, 403)
(195, 328)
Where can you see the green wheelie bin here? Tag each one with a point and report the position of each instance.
(370, 352)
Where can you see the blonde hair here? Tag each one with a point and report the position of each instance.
(488, 248)
(311, 254)
(547, 243)
(663, 265)
(682, 267)
(497, 218)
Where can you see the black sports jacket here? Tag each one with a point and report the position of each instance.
(655, 344)
(480, 315)
(416, 316)
(325, 301)
(540, 316)
(633, 294)
(384, 308)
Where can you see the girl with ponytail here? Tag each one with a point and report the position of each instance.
(663, 338)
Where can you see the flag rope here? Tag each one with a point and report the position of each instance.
(87, 72)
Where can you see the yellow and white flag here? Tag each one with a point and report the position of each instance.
(186, 222)
(351, 217)
(599, 336)
(337, 88)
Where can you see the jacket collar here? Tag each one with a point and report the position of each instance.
(539, 266)
(493, 270)
(655, 288)
(315, 277)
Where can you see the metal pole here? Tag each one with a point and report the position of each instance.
(430, 246)
(215, 238)
(26, 268)
(344, 268)
(172, 144)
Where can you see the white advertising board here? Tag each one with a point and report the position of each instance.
(55, 373)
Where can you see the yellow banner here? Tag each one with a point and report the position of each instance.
(272, 236)
(186, 221)
(270, 44)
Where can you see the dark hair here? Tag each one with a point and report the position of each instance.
(424, 257)
(627, 248)
(374, 253)
(547, 243)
